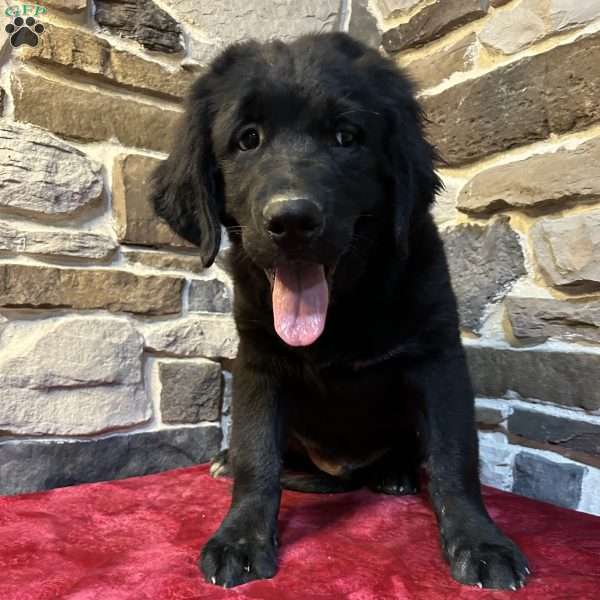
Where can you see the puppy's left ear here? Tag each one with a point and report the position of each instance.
(410, 156)
(187, 187)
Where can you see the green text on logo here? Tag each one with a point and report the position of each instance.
(22, 10)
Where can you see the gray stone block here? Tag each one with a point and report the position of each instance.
(483, 261)
(142, 21)
(33, 466)
(557, 431)
(210, 295)
(191, 392)
(485, 415)
(567, 378)
(363, 25)
(542, 479)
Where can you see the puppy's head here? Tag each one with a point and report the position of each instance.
(309, 153)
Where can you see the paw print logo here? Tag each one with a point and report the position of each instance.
(24, 32)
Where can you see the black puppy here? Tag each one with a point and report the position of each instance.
(350, 369)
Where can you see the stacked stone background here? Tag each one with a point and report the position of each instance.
(115, 346)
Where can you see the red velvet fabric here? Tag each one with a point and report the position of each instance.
(138, 539)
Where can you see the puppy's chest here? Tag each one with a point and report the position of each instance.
(353, 393)
(354, 416)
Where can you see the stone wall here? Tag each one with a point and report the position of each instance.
(115, 345)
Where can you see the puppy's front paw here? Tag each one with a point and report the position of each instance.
(396, 483)
(219, 465)
(489, 563)
(230, 562)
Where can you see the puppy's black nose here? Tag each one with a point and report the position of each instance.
(293, 221)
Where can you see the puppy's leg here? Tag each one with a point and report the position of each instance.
(244, 547)
(478, 553)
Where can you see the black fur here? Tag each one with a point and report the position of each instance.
(386, 385)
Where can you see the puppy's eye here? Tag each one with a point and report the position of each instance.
(249, 139)
(345, 138)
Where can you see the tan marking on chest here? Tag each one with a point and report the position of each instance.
(338, 465)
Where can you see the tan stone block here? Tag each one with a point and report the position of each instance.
(49, 287)
(71, 376)
(68, 6)
(434, 68)
(27, 155)
(517, 104)
(540, 181)
(509, 31)
(88, 54)
(572, 91)
(529, 21)
(229, 21)
(208, 336)
(21, 238)
(434, 21)
(165, 260)
(135, 220)
(444, 208)
(89, 114)
(134, 71)
(567, 250)
(567, 14)
(394, 8)
(534, 320)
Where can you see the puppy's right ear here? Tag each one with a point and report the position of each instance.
(187, 189)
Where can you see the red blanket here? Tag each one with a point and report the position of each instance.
(139, 538)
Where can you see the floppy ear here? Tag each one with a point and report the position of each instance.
(411, 158)
(415, 181)
(187, 188)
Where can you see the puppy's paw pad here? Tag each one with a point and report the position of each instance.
(228, 563)
(498, 565)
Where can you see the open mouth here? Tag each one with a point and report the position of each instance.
(300, 294)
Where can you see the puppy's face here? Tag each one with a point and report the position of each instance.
(305, 158)
(299, 155)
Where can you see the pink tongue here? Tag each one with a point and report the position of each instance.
(300, 299)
